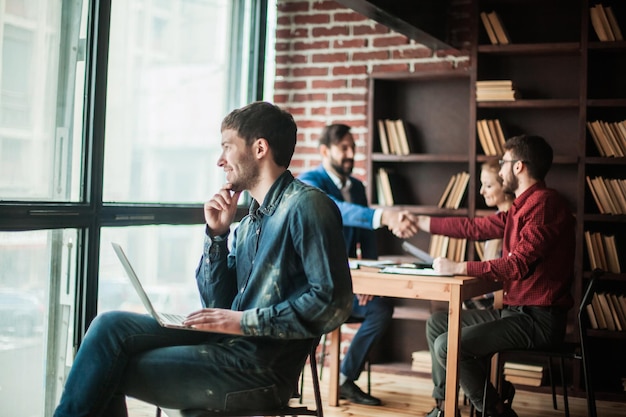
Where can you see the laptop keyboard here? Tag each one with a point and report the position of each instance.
(173, 318)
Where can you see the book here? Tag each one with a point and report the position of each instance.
(405, 147)
(591, 251)
(598, 27)
(489, 28)
(595, 195)
(523, 372)
(593, 322)
(523, 366)
(595, 135)
(612, 258)
(617, 32)
(614, 316)
(385, 185)
(446, 191)
(621, 314)
(597, 309)
(604, 21)
(498, 28)
(392, 135)
(522, 380)
(488, 138)
(458, 191)
(606, 311)
(501, 139)
(382, 137)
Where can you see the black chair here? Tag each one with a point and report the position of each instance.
(583, 324)
(350, 320)
(285, 411)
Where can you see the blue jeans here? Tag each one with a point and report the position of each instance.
(130, 354)
(377, 317)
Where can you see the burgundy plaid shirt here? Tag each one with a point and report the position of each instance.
(539, 238)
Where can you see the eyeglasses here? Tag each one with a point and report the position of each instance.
(504, 161)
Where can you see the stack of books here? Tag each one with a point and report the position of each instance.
(495, 90)
(494, 28)
(608, 193)
(523, 373)
(421, 361)
(609, 137)
(604, 23)
(391, 188)
(602, 251)
(607, 311)
(393, 137)
(491, 136)
(447, 247)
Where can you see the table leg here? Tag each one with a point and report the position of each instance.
(333, 383)
(452, 361)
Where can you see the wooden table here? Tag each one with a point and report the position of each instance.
(419, 287)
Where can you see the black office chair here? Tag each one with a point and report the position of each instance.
(285, 411)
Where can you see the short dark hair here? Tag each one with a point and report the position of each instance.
(332, 134)
(265, 120)
(534, 151)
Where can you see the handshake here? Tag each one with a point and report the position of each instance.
(401, 223)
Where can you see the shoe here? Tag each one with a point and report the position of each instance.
(508, 392)
(350, 391)
(438, 412)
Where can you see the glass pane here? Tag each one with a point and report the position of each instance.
(165, 259)
(40, 125)
(167, 93)
(36, 309)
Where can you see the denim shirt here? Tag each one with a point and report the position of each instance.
(287, 270)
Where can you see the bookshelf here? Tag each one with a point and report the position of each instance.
(564, 77)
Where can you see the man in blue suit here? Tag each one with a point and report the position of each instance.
(333, 176)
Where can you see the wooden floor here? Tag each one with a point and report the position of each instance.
(409, 396)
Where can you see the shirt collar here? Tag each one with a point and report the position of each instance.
(273, 196)
(337, 181)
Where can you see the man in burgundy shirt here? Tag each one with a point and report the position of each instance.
(536, 270)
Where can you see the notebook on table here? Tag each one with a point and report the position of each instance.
(164, 319)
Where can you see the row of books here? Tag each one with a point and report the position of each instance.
(494, 28)
(602, 252)
(523, 373)
(448, 247)
(454, 191)
(495, 90)
(604, 23)
(490, 136)
(609, 194)
(393, 137)
(607, 311)
(421, 361)
(609, 137)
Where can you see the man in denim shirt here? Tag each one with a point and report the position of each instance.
(284, 283)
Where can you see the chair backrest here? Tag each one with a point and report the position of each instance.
(286, 411)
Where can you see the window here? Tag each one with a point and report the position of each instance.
(109, 131)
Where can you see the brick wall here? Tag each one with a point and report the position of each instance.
(324, 55)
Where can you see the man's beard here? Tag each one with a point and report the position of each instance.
(342, 168)
(510, 184)
(249, 175)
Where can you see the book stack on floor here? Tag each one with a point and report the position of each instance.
(604, 23)
(421, 361)
(495, 90)
(607, 311)
(523, 373)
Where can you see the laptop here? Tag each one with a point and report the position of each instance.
(424, 260)
(174, 321)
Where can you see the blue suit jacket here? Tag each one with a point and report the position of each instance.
(356, 215)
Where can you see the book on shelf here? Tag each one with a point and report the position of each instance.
(501, 33)
(385, 196)
(604, 21)
(593, 321)
(446, 191)
(597, 309)
(394, 145)
(392, 188)
(495, 90)
(403, 139)
(598, 138)
(489, 28)
(600, 252)
(438, 246)
(606, 311)
(612, 257)
(617, 31)
(458, 191)
(382, 137)
(620, 323)
(596, 22)
(480, 250)
(591, 250)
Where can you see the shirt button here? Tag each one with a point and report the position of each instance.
(510, 254)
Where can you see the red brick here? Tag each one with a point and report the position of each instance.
(292, 33)
(303, 46)
(358, 82)
(350, 43)
(327, 5)
(338, 111)
(289, 85)
(336, 57)
(348, 97)
(390, 68)
(280, 98)
(334, 83)
(282, 72)
(349, 17)
(330, 31)
(302, 124)
(312, 18)
(358, 109)
(370, 56)
(390, 41)
(281, 46)
(306, 72)
(309, 97)
(283, 20)
(370, 29)
(291, 59)
(412, 53)
(437, 65)
(350, 70)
